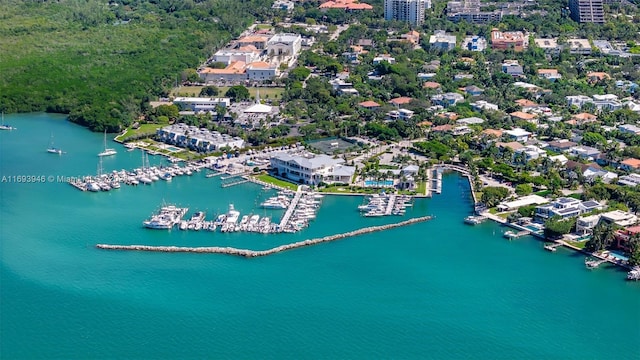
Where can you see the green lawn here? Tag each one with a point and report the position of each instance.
(265, 92)
(422, 188)
(144, 129)
(578, 244)
(271, 180)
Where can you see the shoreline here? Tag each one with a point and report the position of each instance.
(542, 238)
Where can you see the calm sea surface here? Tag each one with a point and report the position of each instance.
(436, 290)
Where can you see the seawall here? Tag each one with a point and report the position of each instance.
(256, 253)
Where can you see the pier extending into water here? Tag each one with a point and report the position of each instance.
(256, 253)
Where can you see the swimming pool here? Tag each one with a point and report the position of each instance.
(372, 183)
(618, 256)
(172, 148)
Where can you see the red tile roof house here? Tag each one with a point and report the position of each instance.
(431, 85)
(630, 164)
(594, 77)
(519, 115)
(526, 104)
(369, 104)
(442, 128)
(401, 100)
(622, 237)
(584, 118)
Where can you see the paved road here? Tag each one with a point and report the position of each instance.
(339, 30)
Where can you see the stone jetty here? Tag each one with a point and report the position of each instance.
(256, 253)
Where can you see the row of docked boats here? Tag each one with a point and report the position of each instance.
(143, 175)
(227, 222)
(301, 210)
(385, 205)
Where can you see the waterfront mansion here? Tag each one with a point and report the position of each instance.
(201, 140)
(311, 169)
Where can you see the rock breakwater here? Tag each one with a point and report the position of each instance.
(257, 253)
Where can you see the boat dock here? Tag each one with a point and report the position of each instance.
(233, 183)
(143, 175)
(553, 247)
(390, 203)
(514, 235)
(292, 206)
(594, 263)
(256, 253)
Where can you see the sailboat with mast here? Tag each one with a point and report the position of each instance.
(107, 151)
(4, 126)
(52, 149)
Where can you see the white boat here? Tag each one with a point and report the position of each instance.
(232, 215)
(52, 149)
(253, 220)
(221, 219)
(93, 186)
(166, 218)
(4, 126)
(474, 220)
(273, 204)
(107, 151)
(166, 176)
(183, 225)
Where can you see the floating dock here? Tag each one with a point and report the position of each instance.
(514, 235)
(553, 247)
(256, 253)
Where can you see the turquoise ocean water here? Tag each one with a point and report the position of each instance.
(436, 290)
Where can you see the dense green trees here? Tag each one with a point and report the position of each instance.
(492, 195)
(602, 237)
(209, 91)
(102, 63)
(238, 93)
(556, 226)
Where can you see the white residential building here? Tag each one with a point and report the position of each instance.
(201, 140)
(284, 44)
(259, 71)
(483, 105)
(411, 11)
(549, 46)
(441, 41)
(447, 99)
(311, 168)
(400, 114)
(531, 152)
(470, 121)
(518, 134)
(200, 103)
(584, 225)
(601, 102)
(474, 43)
(283, 5)
(566, 207)
(228, 56)
(380, 58)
